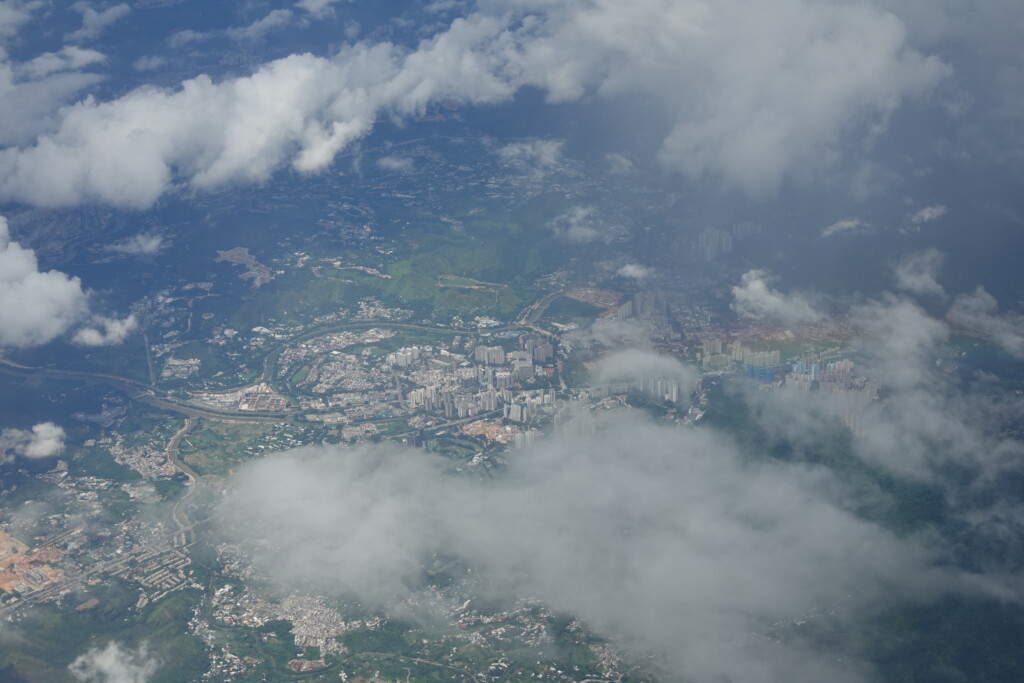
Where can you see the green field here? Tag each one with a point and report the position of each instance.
(218, 447)
(566, 310)
(49, 638)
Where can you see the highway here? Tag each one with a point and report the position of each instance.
(140, 391)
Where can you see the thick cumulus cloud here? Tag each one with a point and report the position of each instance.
(661, 537)
(301, 108)
(754, 298)
(759, 94)
(32, 92)
(115, 664)
(44, 440)
(35, 307)
(29, 104)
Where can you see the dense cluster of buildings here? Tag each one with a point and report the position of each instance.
(719, 355)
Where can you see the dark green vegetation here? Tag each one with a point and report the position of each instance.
(218, 447)
(98, 462)
(957, 639)
(49, 638)
(28, 399)
(656, 409)
(218, 367)
(566, 310)
(126, 360)
(484, 265)
(17, 488)
(458, 447)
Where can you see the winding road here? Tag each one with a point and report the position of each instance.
(172, 457)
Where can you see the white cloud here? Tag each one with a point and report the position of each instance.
(145, 243)
(635, 271)
(899, 342)
(69, 58)
(759, 95)
(30, 107)
(115, 664)
(187, 37)
(440, 6)
(847, 226)
(276, 19)
(104, 331)
(94, 23)
(930, 428)
(301, 108)
(901, 339)
(928, 214)
(45, 440)
(979, 312)
(578, 224)
(32, 92)
(926, 428)
(535, 158)
(921, 217)
(38, 307)
(13, 15)
(619, 164)
(755, 299)
(987, 96)
(150, 63)
(318, 8)
(637, 363)
(393, 163)
(670, 540)
(917, 273)
(35, 307)
(664, 539)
